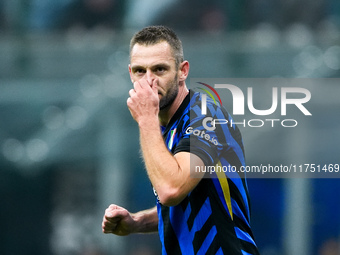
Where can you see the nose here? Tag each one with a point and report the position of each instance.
(149, 76)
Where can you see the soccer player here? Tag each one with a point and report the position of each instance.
(197, 212)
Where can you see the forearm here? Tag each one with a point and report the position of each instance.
(164, 171)
(146, 221)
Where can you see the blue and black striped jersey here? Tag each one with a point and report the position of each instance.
(214, 218)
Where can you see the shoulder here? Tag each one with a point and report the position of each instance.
(202, 106)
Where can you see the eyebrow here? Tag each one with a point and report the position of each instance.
(135, 67)
(161, 65)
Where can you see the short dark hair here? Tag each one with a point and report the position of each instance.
(154, 34)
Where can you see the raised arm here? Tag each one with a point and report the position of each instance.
(169, 174)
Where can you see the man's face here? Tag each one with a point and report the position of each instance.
(156, 62)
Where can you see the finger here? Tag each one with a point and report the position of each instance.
(105, 226)
(113, 206)
(154, 86)
(113, 220)
(109, 227)
(132, 92)
(112, 216)
(129, 103)
(108, 230)
(110, 220)
(138, 85)
(115, 213)
(143, 84)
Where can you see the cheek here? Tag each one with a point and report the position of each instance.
(137, 77)
(161, 85)
(166, 84)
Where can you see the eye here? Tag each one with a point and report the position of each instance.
(139, 71)
(160, 69)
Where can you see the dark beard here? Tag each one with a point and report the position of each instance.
(168, 100)
(170, 97)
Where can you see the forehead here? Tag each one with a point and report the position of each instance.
(146, 54)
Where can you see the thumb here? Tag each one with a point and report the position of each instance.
(115, 211)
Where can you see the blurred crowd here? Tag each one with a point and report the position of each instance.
(220, 15)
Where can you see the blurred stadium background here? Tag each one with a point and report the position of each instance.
(69, 148)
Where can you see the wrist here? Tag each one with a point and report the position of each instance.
(137, 222)
(145, 221)
(149, 123)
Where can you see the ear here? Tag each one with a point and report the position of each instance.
(130, 72)
(183, 70)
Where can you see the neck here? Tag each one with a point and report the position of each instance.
(166, 114)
